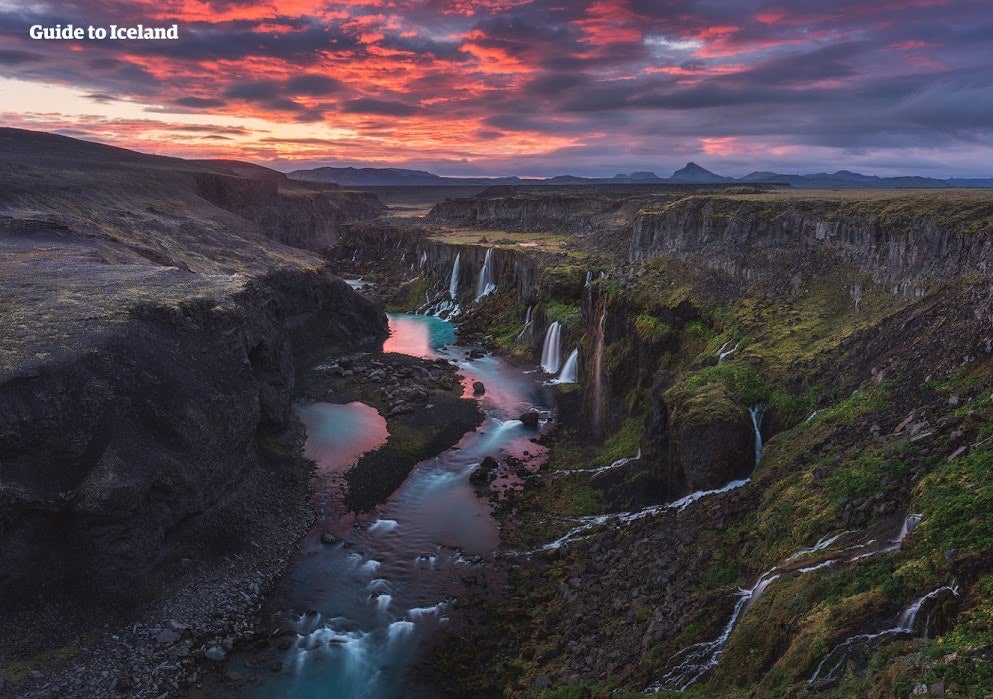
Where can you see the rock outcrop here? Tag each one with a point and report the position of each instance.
(149, 325)
(304, 216)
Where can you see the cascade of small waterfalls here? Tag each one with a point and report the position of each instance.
(487, 280)
(694, 661)
(757, 412)
(585, 524)
(453, 283)
(589, 278)
(570, 370)
(833, 665)
(551, 352)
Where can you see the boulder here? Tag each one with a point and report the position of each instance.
(530, 419)
(478, 388)
(167, 636)
(712, 438)
(215, 653)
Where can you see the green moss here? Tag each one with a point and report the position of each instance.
(866, 474)
(562, 283)
(624, 442)
(410, 296)
(957, 502)
(569, 451)
(566, 314)
(743, 382)
(17, 670)
(703, 405)
(651, 330)
(405, 441)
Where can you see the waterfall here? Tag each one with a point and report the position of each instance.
(821, 544)
(908, 618)
(570, 370)
(551, 353)
(525, 332)
(453, 283)
(694, 661)
(585, 524)
(355, 255)
(598, 387)
(487, 282)
(757, 412)
(909, 523)
(616, 464)
(723, 353)
(589, 279)
(843, 652)
(424, 258)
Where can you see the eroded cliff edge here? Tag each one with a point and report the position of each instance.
(150, 323)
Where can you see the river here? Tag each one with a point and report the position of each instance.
(362, 609)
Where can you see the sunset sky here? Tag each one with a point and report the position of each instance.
(527, 87)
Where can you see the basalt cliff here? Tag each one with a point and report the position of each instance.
(153, 312)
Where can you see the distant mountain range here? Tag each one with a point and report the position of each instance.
(690, 174)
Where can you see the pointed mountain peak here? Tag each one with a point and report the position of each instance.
(694, 173)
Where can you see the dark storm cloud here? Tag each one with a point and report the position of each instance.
(199, 102)
(254, 90)
(833, 62)
(368, 105)
(313, 85)
(299, 42)
(14, 57)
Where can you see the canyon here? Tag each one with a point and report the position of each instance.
(726, 440)
(760, 374)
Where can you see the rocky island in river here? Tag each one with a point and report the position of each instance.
(263, 436)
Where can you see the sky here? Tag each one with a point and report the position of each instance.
(520, 87)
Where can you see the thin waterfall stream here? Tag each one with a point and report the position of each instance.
(487, 277)
(551, 352)
(453, 283)
(570, 370)
(696, 660)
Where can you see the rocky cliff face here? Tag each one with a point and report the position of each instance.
(528, 212)
(604, 213)
(434, 260)
(149, 327)
(286, 211)
(151, 426)
(905, 247)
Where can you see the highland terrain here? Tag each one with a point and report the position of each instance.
(768, 475)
